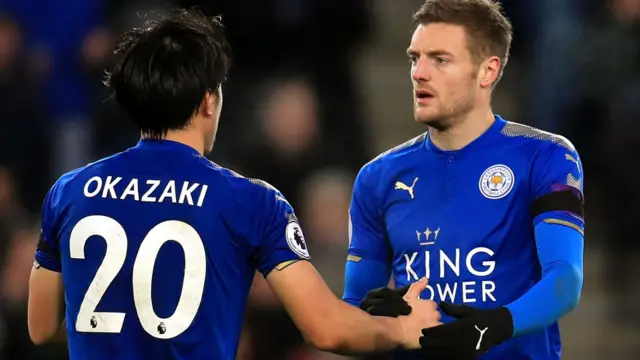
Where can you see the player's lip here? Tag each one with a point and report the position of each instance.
(423, 96)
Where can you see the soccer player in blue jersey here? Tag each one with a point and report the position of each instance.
(154, 249)
(489, 210)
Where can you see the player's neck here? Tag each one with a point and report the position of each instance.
(188, 138)
(464, 130)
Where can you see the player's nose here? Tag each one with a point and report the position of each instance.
(421, 72)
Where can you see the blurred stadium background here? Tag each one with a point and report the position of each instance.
(318, 88)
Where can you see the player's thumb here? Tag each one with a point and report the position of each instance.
(456, 311)
(416, 289)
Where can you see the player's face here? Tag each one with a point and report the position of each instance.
(443, 74)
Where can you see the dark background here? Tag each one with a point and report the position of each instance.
(318, 88)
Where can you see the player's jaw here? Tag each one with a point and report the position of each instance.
(439, 111)
(427, 107)
(431, 117)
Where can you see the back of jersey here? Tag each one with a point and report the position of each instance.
(158, 248)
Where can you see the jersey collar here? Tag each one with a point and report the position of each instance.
(493, 131)
(167, 145)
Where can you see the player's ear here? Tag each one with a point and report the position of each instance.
(210, 101)
(489, 71)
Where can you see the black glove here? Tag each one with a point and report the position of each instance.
(475, 332)
(386, 302)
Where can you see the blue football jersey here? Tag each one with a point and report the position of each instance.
(464, 219)
(158, 248)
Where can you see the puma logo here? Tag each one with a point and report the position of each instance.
(572, 159)
(481, 335)
(402, 186)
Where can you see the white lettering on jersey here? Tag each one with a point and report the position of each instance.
(450, 266)
(185, 194)
(203, 193)
(109, 187)
(410, 272)
(98, 185)
(169, 192)
(489, 264)
(153, 185)
(132, 189)
(154, 191)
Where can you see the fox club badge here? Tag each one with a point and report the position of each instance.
(496, 182)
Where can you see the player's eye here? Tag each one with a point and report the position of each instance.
(441, 60)
(413, 59)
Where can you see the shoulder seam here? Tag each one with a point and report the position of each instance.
(512, 129)
(400, 147)
(255, 181)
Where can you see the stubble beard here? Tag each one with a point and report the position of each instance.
(446, 116)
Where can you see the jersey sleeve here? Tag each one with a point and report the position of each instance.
(48, 248)
(557, 185)
(282, 241)
(368, 239)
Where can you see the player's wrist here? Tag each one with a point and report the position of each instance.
(395, 330)
(499, 319)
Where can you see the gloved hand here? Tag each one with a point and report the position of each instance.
(473, 334)
(386, 302)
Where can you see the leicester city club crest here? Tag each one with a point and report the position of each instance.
(496, 182)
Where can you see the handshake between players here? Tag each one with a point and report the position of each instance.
(415, 314)
(333, 325)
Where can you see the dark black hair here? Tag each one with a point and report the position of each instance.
(162, 70)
